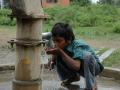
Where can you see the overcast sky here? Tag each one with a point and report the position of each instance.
(95, 1)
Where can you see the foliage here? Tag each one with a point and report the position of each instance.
(4, 12)
(116, 28)
(106, 2)
(77, 16)
(7, 21)
(89, 16)
(101, 51)
(7, 3)
(81, 2)
(111, 2)
(4, 19)
(117, 3)
(113, 60)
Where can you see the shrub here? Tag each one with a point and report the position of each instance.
(88, 16)
(7, 21)
(5, 12)
(77, 16)
(4, 19)
(116, 28)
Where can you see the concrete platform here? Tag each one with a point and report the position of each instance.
(55, 85)
(50, 78)
(52, 82)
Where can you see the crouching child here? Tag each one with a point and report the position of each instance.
(73, 58)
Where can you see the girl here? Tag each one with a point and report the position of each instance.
(73, 58)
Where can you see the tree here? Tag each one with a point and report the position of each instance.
(81, 2)
(111, 2)
(4, 3)
(117, 2)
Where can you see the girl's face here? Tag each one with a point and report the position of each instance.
(60, 42)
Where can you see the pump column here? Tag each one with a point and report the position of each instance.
(29, 15)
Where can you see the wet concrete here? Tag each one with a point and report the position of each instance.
(52, 82)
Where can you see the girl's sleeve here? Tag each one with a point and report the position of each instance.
(78, 53)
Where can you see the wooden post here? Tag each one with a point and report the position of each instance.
(29, 15)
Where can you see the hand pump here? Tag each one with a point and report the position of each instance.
(29, 15)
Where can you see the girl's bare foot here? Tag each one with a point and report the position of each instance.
(95, 86)
(70, 80)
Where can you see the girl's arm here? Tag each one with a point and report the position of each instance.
(71, 63)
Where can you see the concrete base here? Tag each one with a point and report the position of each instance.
(111, 73)
(27, 85)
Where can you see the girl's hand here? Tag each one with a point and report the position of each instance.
(53, 51)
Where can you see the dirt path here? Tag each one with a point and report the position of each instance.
(6, 56)
(104, 43)
(4, 37)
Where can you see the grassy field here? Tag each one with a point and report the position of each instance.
(101, 51)
(99, 25)
(6, 33)
(113, 60)
(98, 37)
(96, 33)
(8, 29)
(99, 34)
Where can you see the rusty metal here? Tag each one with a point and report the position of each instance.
(27, 82)
(40, 16)
(28, 42)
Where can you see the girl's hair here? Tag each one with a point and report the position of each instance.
(63, 30)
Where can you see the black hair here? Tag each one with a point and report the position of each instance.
(63, 30)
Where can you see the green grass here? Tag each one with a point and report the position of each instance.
(90, 33)
(113, 60)
(101, 51)
(95, 22)
(88, 16)
(96, 33)
(8, 29)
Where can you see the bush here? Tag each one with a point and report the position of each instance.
(77, 16)
(5, 12)
(88, 16)
(81, 2)
(7, 21)
(4, 19)
(116, 28)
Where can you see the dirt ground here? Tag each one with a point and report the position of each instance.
(6, 36)
(104, 44)
(4, 51)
